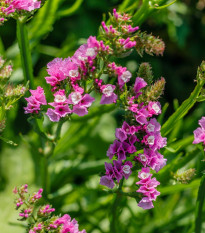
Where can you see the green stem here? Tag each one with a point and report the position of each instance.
(58, 130)
(45, 177)
(141, 13)
(125, 5)
(114, 213)
(71, 10)
(183, 109)
(199, 205)
(22, 37)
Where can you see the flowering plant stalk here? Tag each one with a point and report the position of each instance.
(93, 71)
(9, 94)
(41, 218)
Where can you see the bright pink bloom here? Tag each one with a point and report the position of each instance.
(28, 5)
(154, 108)
(108, 96)
(81, 103)
(199, 133)
(35, 101)
(139, 84)
(68, 225)
(147, 188)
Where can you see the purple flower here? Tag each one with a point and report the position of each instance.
(126, 168)
(145, 203)
(147, 188)
(53, 116)
(113, 149)
(108, 96)
(124, 77)
(153, 126)
(154, 108)
(128, 129)
(139, 84)
(199, 133)
(81, 103)
(121, 153)
(121, 134)
(107, 181)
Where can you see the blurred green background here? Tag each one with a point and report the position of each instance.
(57, 30)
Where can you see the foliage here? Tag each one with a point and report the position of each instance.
(79, 155)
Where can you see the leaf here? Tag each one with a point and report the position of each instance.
(178, 187)
(43, 22)
(182, 110)
(8, 141)
(71, 10)
(199, 206)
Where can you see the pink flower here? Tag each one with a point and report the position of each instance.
(35, 101)
(39, 95)
(126, 168)
(82, 103)
(199, 133)
(107, 181)
(68, 225)
(153, 126)
(154, 108)
(128, 129)
(120, 134)
(139, 84)
(145, 203)
(108, 96)
(124, 77)
(53, 116)
(147, 188)
(28, 5)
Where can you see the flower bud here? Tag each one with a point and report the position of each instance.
(184, 176)
(149, 44)
(145, 72)
(154, 92)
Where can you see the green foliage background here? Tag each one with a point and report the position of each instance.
(57, 30)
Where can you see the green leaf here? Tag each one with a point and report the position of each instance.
(8, 141)
(182, 110)
(43, 22)
(71, 10)
(199, 206)
(178, 187)
(22, 36)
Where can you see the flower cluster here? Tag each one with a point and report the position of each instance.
(55, 224)
(137, 144)
(73, 79)
(13, 8)
(8, 93)
(147, 188)
(199, 133)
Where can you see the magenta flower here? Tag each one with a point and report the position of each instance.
(139, 84)
(28, 5)
(35, 101)
(107, 181)
(68, 225)
(108, 96)
(154, 108)
(199, 133)
(147, 188)
(82, 104)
